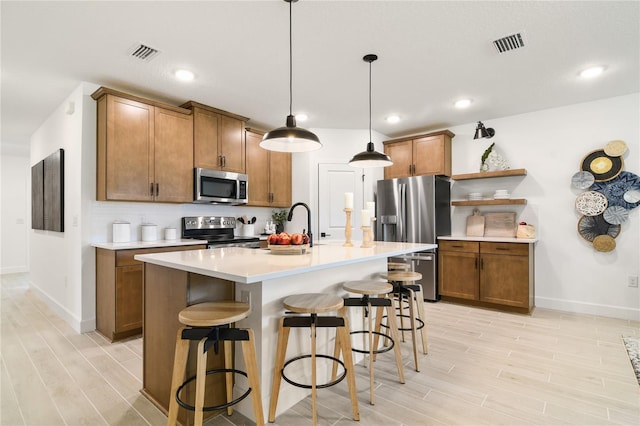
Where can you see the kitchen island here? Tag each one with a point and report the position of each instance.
(175, 280)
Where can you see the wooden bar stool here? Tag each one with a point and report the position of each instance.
(379, 291)
(403, 289)
(398, 266)
(313, 304)
(209, 324)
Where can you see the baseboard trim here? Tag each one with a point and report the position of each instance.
(631, 314)
(80, 326)
(13, 270)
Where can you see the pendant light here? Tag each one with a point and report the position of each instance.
(290, 138)
(370, 157)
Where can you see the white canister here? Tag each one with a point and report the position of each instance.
(170, 234)
(247, 230)
(149, 232)
(121, 231)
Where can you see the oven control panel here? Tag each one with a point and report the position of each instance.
(209, 222)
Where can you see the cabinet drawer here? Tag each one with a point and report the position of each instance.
(453, 245)
(125, 257)
(515, 249)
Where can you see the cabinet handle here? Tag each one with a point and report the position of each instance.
(224, 161)
(481, 263)
(151, 189)
(456, 246)
(476, 263)
(157, 189)
(219, 160)
(503, 248)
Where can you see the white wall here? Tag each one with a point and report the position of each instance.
(15, 179)
(550, 144)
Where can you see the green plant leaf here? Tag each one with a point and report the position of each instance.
(487, 152)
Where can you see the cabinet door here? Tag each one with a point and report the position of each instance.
(205, 139)
(127, 153)
(257, 170)
(432, 156)
(232, 144)
(173, 157)
(280, 178)
(402, 156)
(504, 279)
(128, 298)
(458, 274)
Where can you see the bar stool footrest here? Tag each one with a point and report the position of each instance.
(418, 320)
(322, 386)
(212, 407)
(376, 351)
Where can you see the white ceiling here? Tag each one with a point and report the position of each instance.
(430, 54)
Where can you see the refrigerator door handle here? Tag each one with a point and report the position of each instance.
(402, 216)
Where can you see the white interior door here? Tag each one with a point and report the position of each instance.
(333, 181)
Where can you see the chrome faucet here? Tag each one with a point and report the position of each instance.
(308, 219)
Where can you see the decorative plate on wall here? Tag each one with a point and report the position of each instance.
(602, 166)
(582, 180)
(589, 227)
(615, 148)
(591, 203)
(604, 243)
(615, 215)
(616, 189)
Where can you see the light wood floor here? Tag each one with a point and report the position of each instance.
(483, 368)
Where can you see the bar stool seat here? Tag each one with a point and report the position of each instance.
(209, 324)
(313, 304)
(405, 286)
(378, 289)
(398, 266)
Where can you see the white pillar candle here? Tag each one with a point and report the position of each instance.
(366, 218)
(371, 206)
(348, 200)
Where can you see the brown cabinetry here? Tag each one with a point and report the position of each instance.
(491, 274)
(145, 150)
(119, 290)
(269, 174)
(428, 154)
(218, 138)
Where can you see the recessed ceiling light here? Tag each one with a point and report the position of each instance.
(392, 119)
(184, 75)
(462, 103)
(591, 72)
(301, 117)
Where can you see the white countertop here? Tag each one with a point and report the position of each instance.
(148, 244)
(491, 239)
(254, 265)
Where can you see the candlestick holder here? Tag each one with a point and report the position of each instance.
(373, 219)
(367, 237)
(347, 229)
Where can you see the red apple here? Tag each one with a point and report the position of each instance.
(297, 239)
(284, 239)
(273, 239)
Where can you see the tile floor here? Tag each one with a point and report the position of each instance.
(483, 368)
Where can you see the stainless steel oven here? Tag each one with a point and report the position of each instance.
(217, 230)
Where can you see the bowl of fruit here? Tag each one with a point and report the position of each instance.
(285, 243)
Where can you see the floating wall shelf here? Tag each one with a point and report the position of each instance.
(495, 174)
(510, 201)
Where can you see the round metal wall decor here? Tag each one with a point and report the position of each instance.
(602, 166)
(615, 215)
(615, 189)
(591, 203)
(632, 196)
(604, 243)
(615, 148)
(582, 180)
(589, 227)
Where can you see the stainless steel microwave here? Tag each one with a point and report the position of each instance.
(218, 187)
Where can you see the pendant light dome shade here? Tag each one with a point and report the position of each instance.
(370, 157)
(290, 138)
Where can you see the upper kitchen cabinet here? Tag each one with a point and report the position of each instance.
(269, 174)
(428, 154)
(218, 138)
(145, 149)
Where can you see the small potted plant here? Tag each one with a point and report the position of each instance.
(279, 217)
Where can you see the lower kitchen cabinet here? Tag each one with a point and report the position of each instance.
(491, 274)
(119, 290)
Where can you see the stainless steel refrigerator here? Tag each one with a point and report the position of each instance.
(415, 210)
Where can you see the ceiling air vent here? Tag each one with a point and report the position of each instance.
(142, 52)
(510, 42)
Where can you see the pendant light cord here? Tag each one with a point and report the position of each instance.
(290, 59)
(369, 101)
